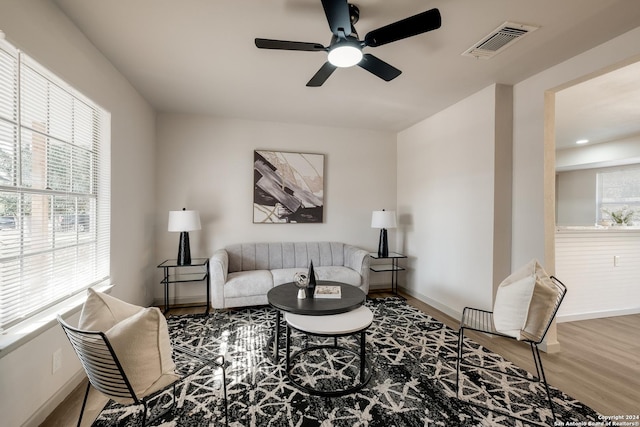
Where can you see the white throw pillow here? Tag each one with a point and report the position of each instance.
(539, 308)
(101, 311)
(142, 345)
(139, 337)
(511, 306)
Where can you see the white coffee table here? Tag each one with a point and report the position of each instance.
(353, 322)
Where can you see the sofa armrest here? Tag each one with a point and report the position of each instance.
(358, 259)
(219, 266)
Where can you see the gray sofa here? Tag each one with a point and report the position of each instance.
(242, 274)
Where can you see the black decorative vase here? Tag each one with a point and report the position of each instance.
(312, 281)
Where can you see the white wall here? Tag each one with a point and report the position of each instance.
(528, 157)
(613, 153)
(576, 197)
(602, 267)
(447, 201)
(206, 163)
(28, 390)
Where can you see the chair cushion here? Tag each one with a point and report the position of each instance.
(100, 311)
(543, 303)
(140, 339)
(512, 304)
(142, 345)
(528, 296)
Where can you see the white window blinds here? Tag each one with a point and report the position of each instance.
(618, 193)
(54, 189)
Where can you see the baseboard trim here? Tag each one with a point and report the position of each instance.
(433, 303)
(180, 301)
(596, 315)
(550, 348)
(38, 417)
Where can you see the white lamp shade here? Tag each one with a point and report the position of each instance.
(383, 219)
(184, 220)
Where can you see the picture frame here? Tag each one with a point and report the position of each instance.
(288, 187)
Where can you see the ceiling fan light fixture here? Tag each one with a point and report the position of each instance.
(345, 55)
(345, 47)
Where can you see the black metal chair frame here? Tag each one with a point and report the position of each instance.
(106, 374)
(365, 370)
(482, 321)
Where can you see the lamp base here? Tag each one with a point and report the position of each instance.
(184, 251)
(383, 245)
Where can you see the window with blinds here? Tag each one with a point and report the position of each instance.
(618, 192)
(54, 189)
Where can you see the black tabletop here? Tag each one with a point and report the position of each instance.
(285, 298)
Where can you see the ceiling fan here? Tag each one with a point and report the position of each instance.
(345, 49)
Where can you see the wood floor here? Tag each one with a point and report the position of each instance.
(599, 364)
(599, 361)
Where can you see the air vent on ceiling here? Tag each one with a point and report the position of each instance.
(498, 40)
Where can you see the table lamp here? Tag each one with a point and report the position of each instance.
(184, 221)
(383, 220)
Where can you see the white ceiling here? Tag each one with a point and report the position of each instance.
(199, 57)
(601, 109)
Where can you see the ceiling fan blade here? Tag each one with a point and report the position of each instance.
(408, 27)
(378, 67)
(337, 12)
(322, 75)
(288, 45)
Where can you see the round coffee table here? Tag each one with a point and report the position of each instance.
(285, 298)
(321, 379)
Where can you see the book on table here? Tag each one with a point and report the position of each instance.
(327, 291)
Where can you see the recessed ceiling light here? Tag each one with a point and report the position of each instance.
(582, 141)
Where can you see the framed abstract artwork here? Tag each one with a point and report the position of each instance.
(287, 187)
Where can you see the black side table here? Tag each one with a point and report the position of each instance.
(393, 267)
(198, 271)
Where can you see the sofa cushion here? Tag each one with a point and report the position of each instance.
(285, 275)
(248, 283)
(339, 274)
(335, 274)
(281, 255)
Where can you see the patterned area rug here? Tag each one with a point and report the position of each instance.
(413, 378)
